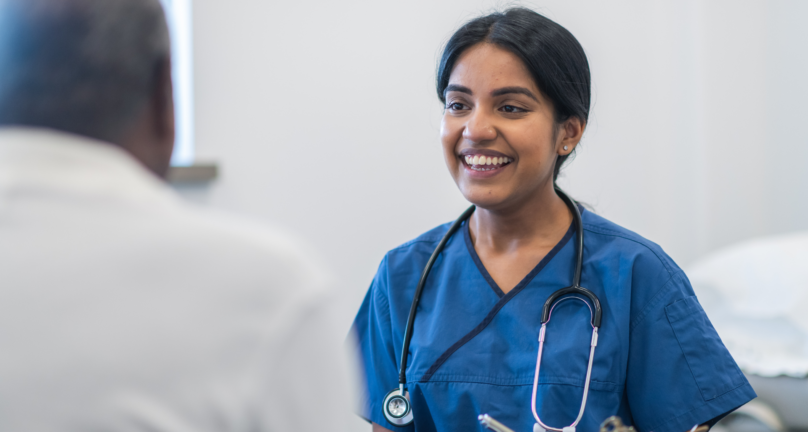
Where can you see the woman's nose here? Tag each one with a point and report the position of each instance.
(479, 127)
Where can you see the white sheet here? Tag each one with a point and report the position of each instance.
(756, 295)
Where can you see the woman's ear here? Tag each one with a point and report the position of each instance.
(570, 133)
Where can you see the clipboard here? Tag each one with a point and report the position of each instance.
(615, 424)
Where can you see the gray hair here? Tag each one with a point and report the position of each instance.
(82, 66)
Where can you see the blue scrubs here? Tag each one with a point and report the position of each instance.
(659, 363)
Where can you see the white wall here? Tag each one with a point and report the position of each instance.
(323, 117)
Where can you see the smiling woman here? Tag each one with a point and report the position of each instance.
(541, 49)
(516, 91)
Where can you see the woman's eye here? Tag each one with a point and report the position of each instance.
(455, 106)
(511, 109)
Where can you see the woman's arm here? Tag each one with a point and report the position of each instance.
(377, 428)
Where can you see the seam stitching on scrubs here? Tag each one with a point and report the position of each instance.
(687, 359)
(606, 231)
(483, 271)
(382, 297)
(528, 381)
(657, 296)
(414, 241)
(498, 306)
(426, 237)
(706, 403)
(655, 299)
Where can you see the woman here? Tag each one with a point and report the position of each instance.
(516, 90)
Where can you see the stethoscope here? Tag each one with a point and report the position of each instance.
(397, 408)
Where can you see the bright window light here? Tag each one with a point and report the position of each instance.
(178, 13)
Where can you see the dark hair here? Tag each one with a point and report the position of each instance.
(550, 52)
(80, 66)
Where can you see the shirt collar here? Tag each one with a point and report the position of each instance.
(48, 160)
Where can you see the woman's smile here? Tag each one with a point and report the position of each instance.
(483, 163)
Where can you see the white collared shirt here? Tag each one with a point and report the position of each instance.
(124, 309)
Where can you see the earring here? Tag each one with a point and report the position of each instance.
(566, 148)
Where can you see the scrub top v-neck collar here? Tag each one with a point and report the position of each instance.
(529, 277)
(503, 298)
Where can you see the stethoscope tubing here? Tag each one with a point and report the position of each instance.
(579, 225)
(555, 298)
(402, 373)
(593, 343)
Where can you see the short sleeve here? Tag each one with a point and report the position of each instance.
(372, 329)
(679, 372)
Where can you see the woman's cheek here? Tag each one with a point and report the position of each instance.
(448, 133)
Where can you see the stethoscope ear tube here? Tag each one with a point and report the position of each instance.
(579, 227)
(402, 373)
(576, 287)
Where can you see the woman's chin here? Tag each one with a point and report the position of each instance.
(486, 199)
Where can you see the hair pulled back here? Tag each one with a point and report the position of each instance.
(552, 55)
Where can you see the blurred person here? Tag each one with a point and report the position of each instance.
(627, 336)
(121, 307)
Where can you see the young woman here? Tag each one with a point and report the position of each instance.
(516, 90)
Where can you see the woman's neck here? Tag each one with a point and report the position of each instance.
(536, 221)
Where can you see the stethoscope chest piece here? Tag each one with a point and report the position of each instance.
(397, 409)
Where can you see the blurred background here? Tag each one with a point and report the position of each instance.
(321, 116)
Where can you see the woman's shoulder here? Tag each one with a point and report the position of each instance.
(412, 255)
(407, 260)
(603, 233)
(424, 242)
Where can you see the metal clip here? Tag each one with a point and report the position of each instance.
(615, 424)
(489, 423)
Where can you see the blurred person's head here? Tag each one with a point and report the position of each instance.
(97, 68)
(516, 91)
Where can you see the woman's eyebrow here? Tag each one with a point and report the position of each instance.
(458, 88)
(517, 90)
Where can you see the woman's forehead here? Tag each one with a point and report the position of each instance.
(486, 67)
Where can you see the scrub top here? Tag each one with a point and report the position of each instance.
(659, 363)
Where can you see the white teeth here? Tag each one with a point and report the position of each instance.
(478, 162)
